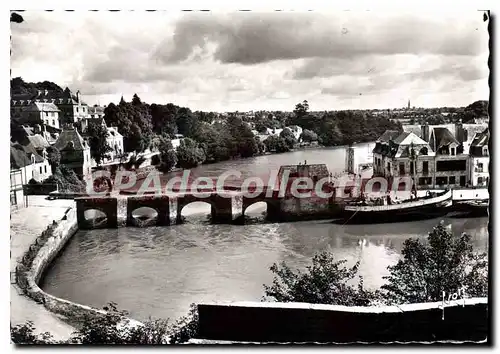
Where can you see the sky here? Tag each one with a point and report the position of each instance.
(228, 61)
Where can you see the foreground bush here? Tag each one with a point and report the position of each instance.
(114, 328)
(444, 263)
(325, 282)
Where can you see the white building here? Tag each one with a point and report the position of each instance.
(24, 158)
(115, 141)
(438, 163)
(480, 160)
(34, 112)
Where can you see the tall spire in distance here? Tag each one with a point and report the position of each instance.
(408, 104)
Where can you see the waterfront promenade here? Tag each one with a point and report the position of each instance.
(26, 225)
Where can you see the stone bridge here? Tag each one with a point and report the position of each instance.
(226, 207)
(116, 211)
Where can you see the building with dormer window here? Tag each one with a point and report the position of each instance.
(480, 159)
(75, 152)
(436, 163)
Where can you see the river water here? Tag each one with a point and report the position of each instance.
(159, 271)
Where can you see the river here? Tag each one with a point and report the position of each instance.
(159, 271)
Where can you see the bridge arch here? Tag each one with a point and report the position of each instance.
(144, 216)
(95, 217)
(195, 207)
(148, 210)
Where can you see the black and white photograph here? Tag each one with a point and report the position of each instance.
(286, 177)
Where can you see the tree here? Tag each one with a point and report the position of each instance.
(186, 122)
(214, 140)
(287, 135)
(478, 109)
(324, 282)
(16, 18)
(168, 157)
(242, 142)
(308, 136)
(163, 118)
(98, 134)
(189, 155)
(136, 101)
(445, 263)
(276, 144)
(54, 158)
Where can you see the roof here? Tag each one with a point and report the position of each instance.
(20, 155)
(413, 128)
(46, 96)
(114, 132)
(70, 136)
(43, 107)
(443, 137)
(38, 141)
(388, 135)
(407, 138)
(473, 129)
(481, 139)
(319, 170)
(94, 110)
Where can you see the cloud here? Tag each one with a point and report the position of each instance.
(250, 61)
(249, 38)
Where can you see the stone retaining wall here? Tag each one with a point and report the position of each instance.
(41, 253)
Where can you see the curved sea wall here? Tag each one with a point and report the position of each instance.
(36, 260)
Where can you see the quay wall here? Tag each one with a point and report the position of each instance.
(37, 259)
(260, 322)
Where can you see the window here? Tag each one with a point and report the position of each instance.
(41, 171)
(451, 165)
(425, 167)
(46, 114)
(13, 199)
(402, 168)
(479, 167)
(76, 109)
(451, 180)
(425, 181)
(485, 151)
(53, 122)
(441, 181)
(452, 151)
(33, 173)
(412, 167)
(480, 180)
(45, 168)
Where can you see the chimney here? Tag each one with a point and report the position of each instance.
(78, 96)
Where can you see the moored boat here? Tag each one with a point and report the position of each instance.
(384, 209)
(471, 208)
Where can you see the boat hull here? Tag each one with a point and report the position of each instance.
(470, 209)
(416, 213)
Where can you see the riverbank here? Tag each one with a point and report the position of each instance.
(26, 225)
